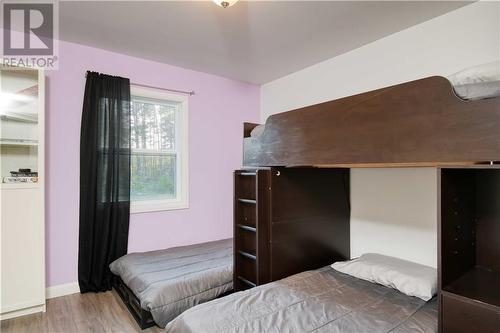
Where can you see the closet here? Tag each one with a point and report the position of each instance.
(469, 250)
(22, 192)
(288, 220)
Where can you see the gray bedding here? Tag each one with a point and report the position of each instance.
(323, 300)
(167, 282)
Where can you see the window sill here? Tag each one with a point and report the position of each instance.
(138, 207)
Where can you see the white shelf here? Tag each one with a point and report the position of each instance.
(15, 186)
(22, 204)
(19, 143)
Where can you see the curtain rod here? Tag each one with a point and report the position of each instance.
(190, 93)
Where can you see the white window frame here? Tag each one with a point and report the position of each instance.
(181, 140)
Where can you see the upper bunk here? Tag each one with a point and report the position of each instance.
(418, 123)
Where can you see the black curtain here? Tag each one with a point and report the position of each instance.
(104, 179)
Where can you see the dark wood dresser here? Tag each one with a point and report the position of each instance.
(288, 220)
(469, 250)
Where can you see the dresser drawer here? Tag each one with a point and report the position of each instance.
(460, 316)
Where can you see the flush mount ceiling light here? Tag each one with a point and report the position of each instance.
(225, 3)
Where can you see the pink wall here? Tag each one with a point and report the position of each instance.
(216, 114)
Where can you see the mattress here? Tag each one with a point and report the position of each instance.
(322, 300)
(167, 282)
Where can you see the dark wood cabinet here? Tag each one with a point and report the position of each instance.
(288, 220)
(469, 250)
(464, 315)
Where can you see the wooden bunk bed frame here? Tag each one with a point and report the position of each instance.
(419, 123)
(416, 124)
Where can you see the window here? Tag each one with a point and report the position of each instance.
(159, 140)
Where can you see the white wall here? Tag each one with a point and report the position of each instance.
(394, 210)
(394, 213)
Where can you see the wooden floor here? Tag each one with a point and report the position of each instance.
(102, 312)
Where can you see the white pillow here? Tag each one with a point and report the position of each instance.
(257, 131)
(408, 277)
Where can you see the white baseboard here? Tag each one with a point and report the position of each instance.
(22, 312)
(62, 290)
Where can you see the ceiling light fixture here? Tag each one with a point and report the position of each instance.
(225, 3)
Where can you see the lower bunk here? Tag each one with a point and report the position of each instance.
(322, 300)
(157, 286)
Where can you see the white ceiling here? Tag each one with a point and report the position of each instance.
(255, 42)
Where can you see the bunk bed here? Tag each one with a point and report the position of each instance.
(452, 124)
(418, 123)
(424, 123)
